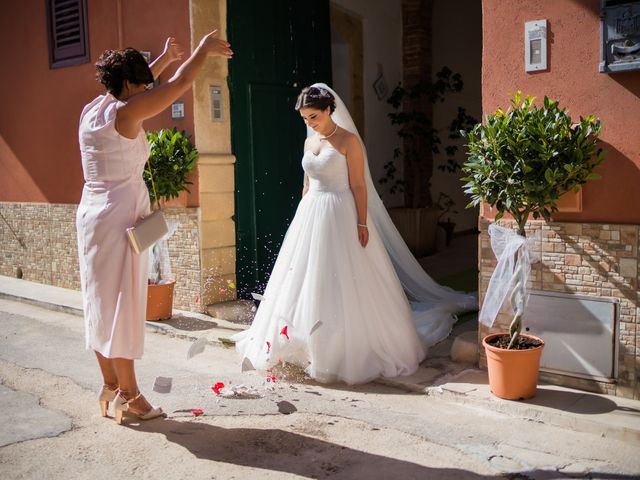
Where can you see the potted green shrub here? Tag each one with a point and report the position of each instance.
(172, 158)
(520, 162)
(417, 219)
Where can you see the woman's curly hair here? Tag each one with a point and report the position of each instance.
(317, 98)
(115, 66)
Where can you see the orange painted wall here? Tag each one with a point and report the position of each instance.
(39, 156)
(573, 78)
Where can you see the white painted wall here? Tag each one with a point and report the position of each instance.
(457, 43)
(382, 31)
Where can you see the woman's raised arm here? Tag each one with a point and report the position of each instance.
(150, 103)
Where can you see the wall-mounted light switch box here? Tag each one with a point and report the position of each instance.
(535, 46)
(215, 92)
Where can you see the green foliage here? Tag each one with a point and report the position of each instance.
(172, 158)
(418, 133)
(521, 161)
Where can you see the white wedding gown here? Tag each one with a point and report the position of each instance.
(337, 309)
(324, 278)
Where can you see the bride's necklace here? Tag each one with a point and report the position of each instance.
(334, 131)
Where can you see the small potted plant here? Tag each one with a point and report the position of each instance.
(172, 158)
(520, 162)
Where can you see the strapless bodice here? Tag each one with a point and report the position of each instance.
(327, 171)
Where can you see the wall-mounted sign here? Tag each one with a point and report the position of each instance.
(535, 46)
(177, 110)
(216, 103)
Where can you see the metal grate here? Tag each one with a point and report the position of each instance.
(67, 25)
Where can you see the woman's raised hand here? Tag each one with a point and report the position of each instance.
(215, 46)
(172, 50)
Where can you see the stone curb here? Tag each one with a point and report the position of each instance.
(533, 413)
(523, 410)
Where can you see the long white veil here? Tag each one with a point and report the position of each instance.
(434, 306)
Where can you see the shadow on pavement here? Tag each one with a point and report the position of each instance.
(190, 324)
(279, 450)
(576, 402)
(283, 451)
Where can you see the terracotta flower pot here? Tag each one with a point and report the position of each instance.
(160, 301)
(513, 374)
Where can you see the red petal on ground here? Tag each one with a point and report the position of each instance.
(268, 347)
(217, 387)
(197, 411)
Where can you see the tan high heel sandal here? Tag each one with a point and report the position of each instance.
(122, 405)
(105, 396)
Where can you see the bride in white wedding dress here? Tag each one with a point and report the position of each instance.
(334, 304)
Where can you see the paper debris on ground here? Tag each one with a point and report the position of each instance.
(247, 365)
(197, 347)
(241, 392)
(162, 384)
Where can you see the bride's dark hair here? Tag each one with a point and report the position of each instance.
(316, 97)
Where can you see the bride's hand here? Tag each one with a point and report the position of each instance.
(363, 235)
(215, 46)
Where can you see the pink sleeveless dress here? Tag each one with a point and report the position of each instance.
(113, 277)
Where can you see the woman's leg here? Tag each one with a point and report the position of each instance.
(109, 376)
(128, 385)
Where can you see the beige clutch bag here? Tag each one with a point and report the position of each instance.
(147, 231)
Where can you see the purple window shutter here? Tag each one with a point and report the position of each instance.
(68, 35)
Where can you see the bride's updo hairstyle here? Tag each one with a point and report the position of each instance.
(115, 66)
(317, 98)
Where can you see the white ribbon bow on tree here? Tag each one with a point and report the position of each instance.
(515, 255)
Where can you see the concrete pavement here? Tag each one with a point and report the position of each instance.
(456, 430)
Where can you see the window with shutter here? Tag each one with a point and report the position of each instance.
(68, 36)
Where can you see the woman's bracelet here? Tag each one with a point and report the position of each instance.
(362, 225)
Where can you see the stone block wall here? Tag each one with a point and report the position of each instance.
(51, 254)
(599, 260)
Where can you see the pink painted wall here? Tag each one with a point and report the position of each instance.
(39, 156)
(574, 80)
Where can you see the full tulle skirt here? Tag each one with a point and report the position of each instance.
(331, 306)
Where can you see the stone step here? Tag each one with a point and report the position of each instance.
(465, 348)
(236, 311)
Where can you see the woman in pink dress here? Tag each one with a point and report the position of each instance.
(114, 150)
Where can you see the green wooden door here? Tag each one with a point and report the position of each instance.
(279, 47)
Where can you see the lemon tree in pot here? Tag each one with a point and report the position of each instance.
(520, 162)
(172, 158)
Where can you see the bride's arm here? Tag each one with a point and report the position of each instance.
(305, 187)
(357, 183)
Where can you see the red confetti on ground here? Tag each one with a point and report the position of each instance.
(285, 331)
(197, 411)
(197, 299)
(222, 291)
(217, 387)
(268, 347)
(271, 378)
